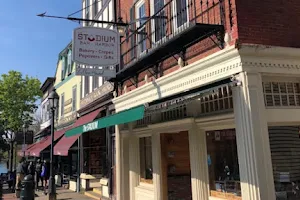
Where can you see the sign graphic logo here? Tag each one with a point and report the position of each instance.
(96, 46)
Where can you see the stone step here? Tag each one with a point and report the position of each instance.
(98, 190)
(93, 195)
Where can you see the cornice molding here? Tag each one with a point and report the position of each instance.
(210, 69)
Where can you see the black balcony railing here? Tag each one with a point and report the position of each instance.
(174, 26)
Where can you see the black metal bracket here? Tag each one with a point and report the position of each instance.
(136, 80)
(153, 74)
(220, 39)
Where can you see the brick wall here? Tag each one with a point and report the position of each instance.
(193, 53)
(269, 22)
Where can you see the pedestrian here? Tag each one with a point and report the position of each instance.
(38, 171)
(45, 174)
(21, 172)
(31, 169)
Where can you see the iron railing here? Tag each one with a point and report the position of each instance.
(169, 19)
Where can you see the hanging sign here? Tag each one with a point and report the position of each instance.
(109, 72)
(95, 46)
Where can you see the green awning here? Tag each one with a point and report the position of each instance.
(123, 117)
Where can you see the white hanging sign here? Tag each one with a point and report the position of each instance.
(95, 46)
(109, 72)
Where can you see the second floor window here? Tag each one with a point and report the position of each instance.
(159, 24)
(95, 82)
(140, 14)
(86, 85)
(69, 65)
(62, 105)
(74, 98)
(62, 68)
(87, 10)
(95, 6)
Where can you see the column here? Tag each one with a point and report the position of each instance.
(256, 174)
(198, 161)
(134, 169)
(157, 168)
(118, 163)
(125, 168)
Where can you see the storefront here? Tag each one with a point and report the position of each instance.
(214, 130)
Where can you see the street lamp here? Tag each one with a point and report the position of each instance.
(24, 138)
(9, 137)
(53, 100)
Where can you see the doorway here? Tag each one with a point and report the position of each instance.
(176, 170)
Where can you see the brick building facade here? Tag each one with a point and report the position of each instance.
(224, 71)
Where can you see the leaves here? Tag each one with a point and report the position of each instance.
(18, 96)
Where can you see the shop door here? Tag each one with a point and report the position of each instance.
(176, 166)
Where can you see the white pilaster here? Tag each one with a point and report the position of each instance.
(253, 146)
(157, 168)
(198, 161)
(133, 164)
(118, 163)
(125, 167)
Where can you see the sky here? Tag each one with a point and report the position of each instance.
(31, 44)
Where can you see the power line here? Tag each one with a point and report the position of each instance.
(84, 8)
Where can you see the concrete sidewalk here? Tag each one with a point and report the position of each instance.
(62, 194)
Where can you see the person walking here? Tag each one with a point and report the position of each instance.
(21, 173)
(45, 174)
(38, 171)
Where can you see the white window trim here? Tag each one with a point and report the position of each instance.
(176, 29)
(137, 14)
(74, 98)
(157, 43)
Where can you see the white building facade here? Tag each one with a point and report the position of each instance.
(260, 102)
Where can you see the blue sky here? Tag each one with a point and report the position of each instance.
(31, 44)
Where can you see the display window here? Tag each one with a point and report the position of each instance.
(223, 167)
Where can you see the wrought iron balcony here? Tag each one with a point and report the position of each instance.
(174, 26)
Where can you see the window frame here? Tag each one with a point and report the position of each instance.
(153, 31)
(74, 98)
(177, 28)
(63, 68)
(62, 104)
(139, 22)
(69, 62)
(144, 180)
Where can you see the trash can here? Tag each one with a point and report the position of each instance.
(27, 188)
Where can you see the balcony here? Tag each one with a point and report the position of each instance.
(175, 26)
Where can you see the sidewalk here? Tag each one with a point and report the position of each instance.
(62, 194)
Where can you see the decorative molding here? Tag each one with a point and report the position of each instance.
(67, 119)
(220, 65)
(103, 90)
(212, 68)
(68, 102)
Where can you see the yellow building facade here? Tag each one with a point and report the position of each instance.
(67, 86)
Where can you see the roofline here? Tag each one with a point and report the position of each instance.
(47, 82)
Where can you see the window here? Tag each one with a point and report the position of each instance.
(69, 65)
(141, 38)
(74, 98)
(86, 85)
(159, 24)
(132, 36)
(285, 153)
(87, 11)
(223, 167)
(62, 68)
(95, 82)
(62, 105)
(146, 159)
(95, 6)
(181, 12)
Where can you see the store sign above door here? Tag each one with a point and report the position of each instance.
(96, 47)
